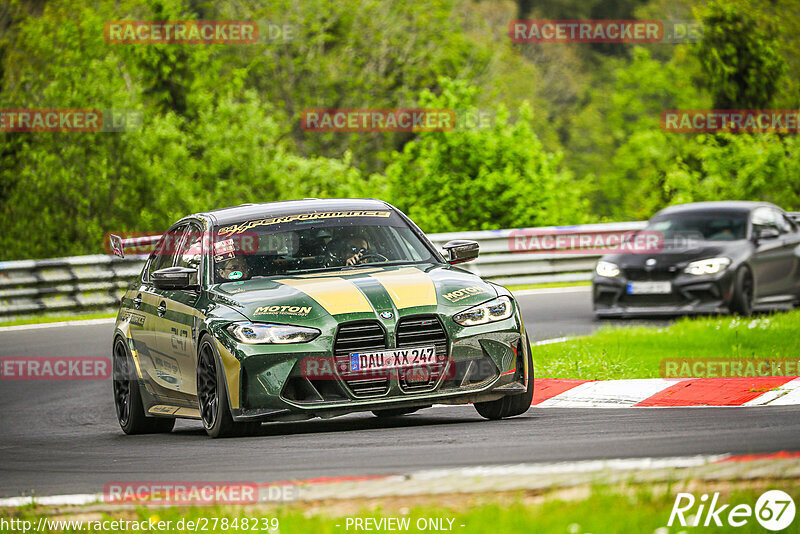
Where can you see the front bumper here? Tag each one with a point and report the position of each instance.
(689, 294)
(480, 363)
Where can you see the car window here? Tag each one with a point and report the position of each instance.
(790, 222)
(297, 243)
(784, 226)
(405, 246)
(190, 252)
(763, 218)
(704, 226)
(164, 254)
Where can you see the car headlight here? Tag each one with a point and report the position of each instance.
(488, 312)
(606, 268)
(709, 266)
(259, 333)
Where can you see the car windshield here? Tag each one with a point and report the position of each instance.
(701, 226)
(309, 242)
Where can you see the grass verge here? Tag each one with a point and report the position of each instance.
(521, 287)
(58, 318)
(599, 509)
(636, 352)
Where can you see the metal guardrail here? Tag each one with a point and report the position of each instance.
(74, 284)
(499, 263)
(82, 284)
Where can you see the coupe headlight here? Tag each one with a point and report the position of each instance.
(488, 312)
(260, 333)
(709, 266)
(606, 268)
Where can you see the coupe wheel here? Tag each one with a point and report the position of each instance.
(511, 405)
(743, 292)
(212, 396)
(128, 399)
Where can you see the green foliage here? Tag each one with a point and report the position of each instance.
(207, 148)
(220, 123)
(740, 58)
(618, 145)
(358, 54)
(634, 168)
(475, 178)
(666, 168)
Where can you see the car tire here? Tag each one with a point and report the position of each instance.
(743, 292)
(128, 399)
(510, 405)
(394, 412)
(212, 396)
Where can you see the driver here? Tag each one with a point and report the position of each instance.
(355, 247)
(235, 268)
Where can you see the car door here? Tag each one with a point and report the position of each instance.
(161, 366)
(177, 326)
(789, 273)
(771, 263)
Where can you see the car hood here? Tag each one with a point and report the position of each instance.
(681, 255)
(356, 293)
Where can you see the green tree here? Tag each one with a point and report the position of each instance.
(477, 179)
(740, 58)
(222, 145)
(617, 147)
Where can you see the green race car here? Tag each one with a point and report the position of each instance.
(311, 308)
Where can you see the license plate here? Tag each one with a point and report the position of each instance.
(392, 359)
(639, 288)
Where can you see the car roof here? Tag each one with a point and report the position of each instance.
(721, 206)
(288, 207)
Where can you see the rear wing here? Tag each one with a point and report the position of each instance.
(118, 245)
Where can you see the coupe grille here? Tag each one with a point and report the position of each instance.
(361, 336)
(419, 331)
(639, 274)
(670, 299)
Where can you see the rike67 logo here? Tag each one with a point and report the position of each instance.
(774, 510)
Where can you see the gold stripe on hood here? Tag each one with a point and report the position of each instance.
(336, 295)
(349, 272)
(408, 287)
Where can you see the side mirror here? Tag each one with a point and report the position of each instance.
(460, 251)
(762, 234)
(175, 278)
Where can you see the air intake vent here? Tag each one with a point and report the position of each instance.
(422, 330)
(362, 336)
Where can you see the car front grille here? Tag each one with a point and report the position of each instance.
(361, 336)
(639, 274)
(422, 330)
(365, 336)
(669, 299)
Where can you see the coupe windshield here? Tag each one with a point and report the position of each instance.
(303, 242)
(701, 226)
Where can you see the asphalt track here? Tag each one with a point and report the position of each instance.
(61, 437)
